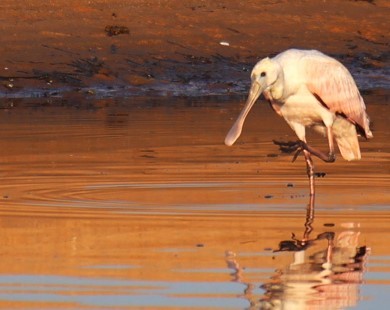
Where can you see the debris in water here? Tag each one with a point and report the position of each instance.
(329, 224)
(9, 85)
(113, 30)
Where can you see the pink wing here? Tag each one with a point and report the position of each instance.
(332, 84)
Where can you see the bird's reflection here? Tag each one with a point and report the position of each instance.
(326, 279)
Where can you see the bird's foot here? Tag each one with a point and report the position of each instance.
(290, 147)
(331, 158)
(299, 146)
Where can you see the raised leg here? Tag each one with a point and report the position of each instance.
(331, 155)
(328, 158)
(299, 146)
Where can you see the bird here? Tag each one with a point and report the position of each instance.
(310, 89)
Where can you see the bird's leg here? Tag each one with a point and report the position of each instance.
(310, 174)
(299, 146)
(328, 158)
(331, 155)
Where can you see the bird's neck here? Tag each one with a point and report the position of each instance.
(277, 88)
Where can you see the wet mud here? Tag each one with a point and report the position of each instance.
(107, 48)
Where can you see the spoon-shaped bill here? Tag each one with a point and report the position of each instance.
(235, 131)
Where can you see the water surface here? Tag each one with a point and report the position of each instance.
(136, 203)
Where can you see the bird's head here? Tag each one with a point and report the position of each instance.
(264, 74)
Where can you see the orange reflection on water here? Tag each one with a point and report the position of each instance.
(142, 205)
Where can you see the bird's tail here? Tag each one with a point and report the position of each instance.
(346, 138)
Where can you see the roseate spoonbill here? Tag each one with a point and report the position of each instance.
(310, 89)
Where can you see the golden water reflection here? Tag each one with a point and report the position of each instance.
(126, 204)
(326, 277)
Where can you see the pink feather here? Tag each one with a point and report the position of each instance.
(332, 85)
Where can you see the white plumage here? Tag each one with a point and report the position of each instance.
(310, 89)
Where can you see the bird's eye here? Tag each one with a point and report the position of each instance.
(262, 74)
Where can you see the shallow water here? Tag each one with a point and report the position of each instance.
(137, 203)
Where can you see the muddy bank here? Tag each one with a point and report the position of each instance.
(110, 48)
